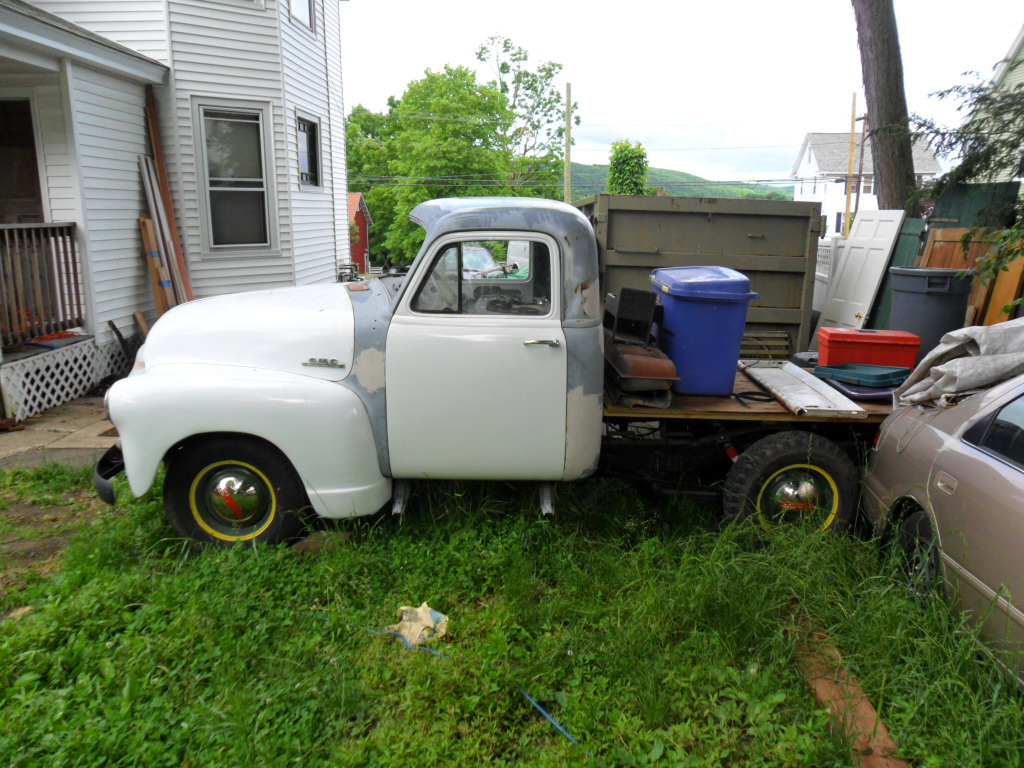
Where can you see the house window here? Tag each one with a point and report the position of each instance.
(868, 186)
(839, 223)
(236, 179)
(309, 152)
(302, 11)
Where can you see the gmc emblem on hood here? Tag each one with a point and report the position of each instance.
(324, 362)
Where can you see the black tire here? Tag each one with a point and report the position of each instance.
(793, 477)
(915, 549)
(227, 490)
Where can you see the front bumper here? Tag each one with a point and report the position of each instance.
(110, 465)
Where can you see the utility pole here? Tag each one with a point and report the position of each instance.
(860, 167)
(568, 142)
(849, 170)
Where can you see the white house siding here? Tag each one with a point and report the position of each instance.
(225, 51)
(138, 24)
(307, 94)
(109, 125)
(336, 130)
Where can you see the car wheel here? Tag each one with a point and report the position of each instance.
(918, 563)
(232, 489)
(793, 477)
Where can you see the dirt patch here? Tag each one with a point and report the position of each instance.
(32, 538)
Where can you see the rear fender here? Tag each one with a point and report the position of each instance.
(320, 426)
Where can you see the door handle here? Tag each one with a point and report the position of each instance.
(945, 483)
(546, 342)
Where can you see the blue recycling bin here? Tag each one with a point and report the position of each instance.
(702, 327)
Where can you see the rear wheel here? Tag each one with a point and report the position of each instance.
(793, 477)
(232, 489)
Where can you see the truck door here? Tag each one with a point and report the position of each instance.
(476, 364)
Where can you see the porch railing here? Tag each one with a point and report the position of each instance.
(40, 290)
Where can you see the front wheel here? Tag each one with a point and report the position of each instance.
(227, 490)
(793, 477)
(918, 563)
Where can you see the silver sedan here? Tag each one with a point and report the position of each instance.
(946, 486)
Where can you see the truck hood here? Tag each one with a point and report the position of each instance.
(306, 330)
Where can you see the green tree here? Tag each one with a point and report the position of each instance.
(627, 169)
(369, 137)
(990, 147)
(535, 143)
(448, 141)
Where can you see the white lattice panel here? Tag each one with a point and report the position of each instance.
(37, 384)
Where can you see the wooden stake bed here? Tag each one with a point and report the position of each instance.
(732, 409)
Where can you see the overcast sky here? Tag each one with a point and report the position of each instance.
(725, 89)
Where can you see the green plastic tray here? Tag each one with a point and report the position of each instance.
(864, 374)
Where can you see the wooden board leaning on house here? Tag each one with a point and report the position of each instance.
(159, 278)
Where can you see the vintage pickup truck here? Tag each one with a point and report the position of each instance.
(270, 407)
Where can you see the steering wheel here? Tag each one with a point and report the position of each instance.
(436, 295)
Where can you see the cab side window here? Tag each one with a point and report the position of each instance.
(488, 277)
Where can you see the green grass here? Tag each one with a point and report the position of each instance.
(652, 637)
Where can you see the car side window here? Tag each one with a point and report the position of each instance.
(488, 277)
(1005, 433)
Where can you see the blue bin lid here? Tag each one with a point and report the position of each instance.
(718, 283)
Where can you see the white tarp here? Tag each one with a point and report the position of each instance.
(966, 360)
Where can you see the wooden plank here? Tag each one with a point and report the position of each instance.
(705, 408)
(163, 295)
(162, 233)
(801, 392)
(1006, 289)
(141, 320)
(165, 189)
(945, 250)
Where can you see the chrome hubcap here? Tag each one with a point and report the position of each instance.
(797, 494)
(234, 497)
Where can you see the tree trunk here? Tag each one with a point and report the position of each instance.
(882, 69)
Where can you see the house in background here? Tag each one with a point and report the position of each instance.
(821, 169)
(359, 220)
(1008, 75)
(252, 121)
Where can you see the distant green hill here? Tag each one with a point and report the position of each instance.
(591, 180)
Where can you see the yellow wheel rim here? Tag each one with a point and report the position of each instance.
(798, 492)
(232, 501)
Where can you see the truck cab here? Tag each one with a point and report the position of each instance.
(270, 406)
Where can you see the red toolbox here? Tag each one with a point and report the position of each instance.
(850, 345)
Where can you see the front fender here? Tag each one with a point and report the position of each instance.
(321, 426)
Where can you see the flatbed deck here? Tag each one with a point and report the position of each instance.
(733, 409)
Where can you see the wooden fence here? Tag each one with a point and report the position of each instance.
(40, 290)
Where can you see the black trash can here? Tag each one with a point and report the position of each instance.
(929, 301)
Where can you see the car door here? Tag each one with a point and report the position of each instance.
(476, 367)
(976, 491)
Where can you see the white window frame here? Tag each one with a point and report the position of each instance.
(315, 122)
(265, 112)
(311, 26)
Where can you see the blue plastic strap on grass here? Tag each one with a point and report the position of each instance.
(551, 720)
(520, 688)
